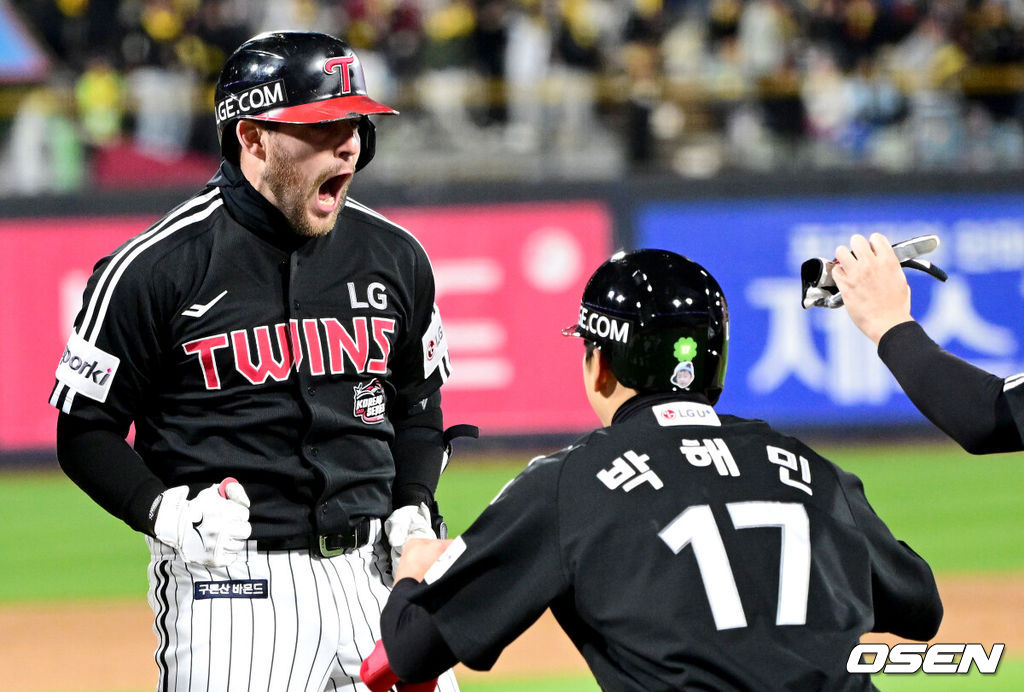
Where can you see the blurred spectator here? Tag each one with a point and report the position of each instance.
(448, 82)
(160, 89)
(491, 43)
(527, 59)
(43, 152)
(583, 28)
(995, 48)
(689, 87)
(99, 95)
(641, 62)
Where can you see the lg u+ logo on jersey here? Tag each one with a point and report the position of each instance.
(934, 659)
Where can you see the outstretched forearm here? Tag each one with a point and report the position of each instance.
(416, 650)
(964, 401)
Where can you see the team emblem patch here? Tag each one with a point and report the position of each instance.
(369, 402)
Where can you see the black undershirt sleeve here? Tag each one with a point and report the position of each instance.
(416, 650)
(104, 465)
(964, 401)
(418, 450)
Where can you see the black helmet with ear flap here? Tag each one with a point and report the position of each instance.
(294, 77)
(661, 320)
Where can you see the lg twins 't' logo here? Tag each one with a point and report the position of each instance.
(343, 63)
(369, 402)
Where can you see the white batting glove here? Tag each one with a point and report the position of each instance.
(209, 530)
(411, 521)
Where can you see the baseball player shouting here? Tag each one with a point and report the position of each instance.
(277, 347)
(678, 547)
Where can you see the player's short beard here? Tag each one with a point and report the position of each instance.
(288, 185)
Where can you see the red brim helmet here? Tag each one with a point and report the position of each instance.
(299, 77)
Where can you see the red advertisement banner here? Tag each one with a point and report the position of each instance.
(509, 278)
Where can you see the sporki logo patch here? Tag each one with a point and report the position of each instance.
(369, 402)
(932, 659)
(87, 369)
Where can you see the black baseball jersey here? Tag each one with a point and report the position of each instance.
(680, 549)
(239, 349)
(987, 414)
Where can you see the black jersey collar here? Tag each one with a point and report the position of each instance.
(643, 402)
(252, 210)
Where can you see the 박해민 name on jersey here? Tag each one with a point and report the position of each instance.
(86, 369)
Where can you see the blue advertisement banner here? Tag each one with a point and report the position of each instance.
(812, 367)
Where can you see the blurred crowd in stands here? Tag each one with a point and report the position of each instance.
(564, 89)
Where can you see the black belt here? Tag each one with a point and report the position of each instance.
(324, 545)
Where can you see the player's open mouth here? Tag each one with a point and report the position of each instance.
(328, 195)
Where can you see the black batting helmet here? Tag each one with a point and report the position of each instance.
(662, 321)
(294, 77)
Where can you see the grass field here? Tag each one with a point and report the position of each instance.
(963, 514)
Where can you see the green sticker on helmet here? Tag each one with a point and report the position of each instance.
(685, 349)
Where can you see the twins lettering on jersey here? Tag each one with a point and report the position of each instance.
(326, 344)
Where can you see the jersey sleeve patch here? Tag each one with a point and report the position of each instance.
(435, 349)
(86, 369)
(445, 561)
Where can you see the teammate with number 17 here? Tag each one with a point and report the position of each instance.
(277, 347)
(679, 547)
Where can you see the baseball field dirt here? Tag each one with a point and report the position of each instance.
(108, 646)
